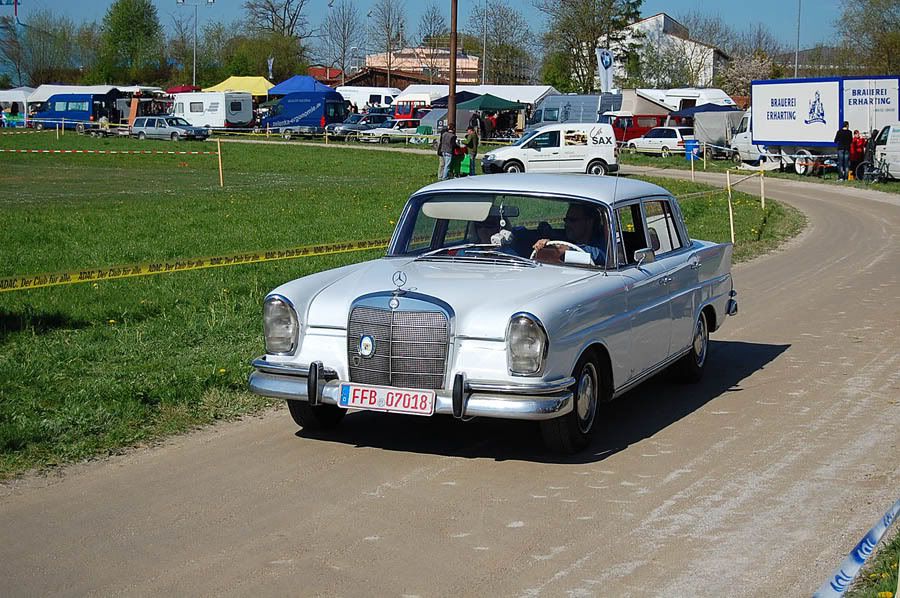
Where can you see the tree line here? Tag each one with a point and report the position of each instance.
(131, 45)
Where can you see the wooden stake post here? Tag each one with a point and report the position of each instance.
(762, 188)
(222, 174)
(730, 209)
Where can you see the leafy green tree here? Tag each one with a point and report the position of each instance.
(5, 81)
(557, 71)
(870, 30)
(132, 48)
(577, 27)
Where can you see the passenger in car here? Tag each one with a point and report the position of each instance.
(584, 228)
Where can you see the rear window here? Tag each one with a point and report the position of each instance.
(196, 106)
(686, 131)
(237, 106)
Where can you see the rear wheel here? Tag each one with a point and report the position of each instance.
(692, 365)
(632, 148)
(385, 139)
(175, 137)
(320, 417)
(79, 128)
(142, 135)
(803, 163)
(572, 432)
(666, 152)
(513, 167)
(597, 167)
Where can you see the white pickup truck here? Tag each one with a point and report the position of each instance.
(795, 120)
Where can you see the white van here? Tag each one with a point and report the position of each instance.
(887, 146)
(215, 109)
(373, 96)
(570, 147)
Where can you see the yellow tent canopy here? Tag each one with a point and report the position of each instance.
(257, 86)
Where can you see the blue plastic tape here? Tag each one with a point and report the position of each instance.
(840, 582)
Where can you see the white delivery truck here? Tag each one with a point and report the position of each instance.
(795, 120)
(215, 109)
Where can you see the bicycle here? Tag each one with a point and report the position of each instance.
(873, 172)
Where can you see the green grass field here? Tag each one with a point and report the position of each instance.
(88, 369)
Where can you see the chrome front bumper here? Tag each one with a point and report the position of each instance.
(538, 401)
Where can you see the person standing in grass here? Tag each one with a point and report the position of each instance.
(843, 139)
(471, 148)
(446, 146)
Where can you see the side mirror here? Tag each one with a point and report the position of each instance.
(644, 256)
(733, 130)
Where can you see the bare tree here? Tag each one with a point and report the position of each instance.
(181, 40)
(387, 24)
(284, 17)
(434, 40)
(509, 42)
(736, 76)
(870, 31)
(42, 50)
(12, 54)
(342, 31)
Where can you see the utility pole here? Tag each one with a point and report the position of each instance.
(797, 48)
(196, 5)
(451, 98)
(483, 41)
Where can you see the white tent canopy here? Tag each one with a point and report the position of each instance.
(43, 93)
(19, 94)
(525, 94)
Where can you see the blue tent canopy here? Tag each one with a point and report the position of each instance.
(298, 83)
(690, 112)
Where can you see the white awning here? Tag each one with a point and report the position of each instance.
(525, 94)
(43, 93)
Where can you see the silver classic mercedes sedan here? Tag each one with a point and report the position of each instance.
(517, 296)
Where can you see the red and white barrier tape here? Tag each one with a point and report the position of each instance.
(58, 151)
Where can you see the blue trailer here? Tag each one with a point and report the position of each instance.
(305, 113)
(79, 111)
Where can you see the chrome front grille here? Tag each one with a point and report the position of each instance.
(410, 347)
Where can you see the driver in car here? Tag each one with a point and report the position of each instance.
(584, 228)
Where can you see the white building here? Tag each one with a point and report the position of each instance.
(671, 41)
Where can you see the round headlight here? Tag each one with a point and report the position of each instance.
(281, 325)
(526, 345)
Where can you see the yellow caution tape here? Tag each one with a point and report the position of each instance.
(19, 283)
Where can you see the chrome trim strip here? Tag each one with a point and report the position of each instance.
(649, 373)
(479, 404)
(542, 388)
(287, 369)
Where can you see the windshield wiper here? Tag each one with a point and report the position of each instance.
(502, 254)
(434, 252)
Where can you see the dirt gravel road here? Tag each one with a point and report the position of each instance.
(756, 482)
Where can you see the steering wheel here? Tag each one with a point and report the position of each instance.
(565, 243)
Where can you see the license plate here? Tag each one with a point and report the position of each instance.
(382, 398)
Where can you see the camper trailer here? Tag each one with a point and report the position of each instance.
(215, 109)
(373, 96)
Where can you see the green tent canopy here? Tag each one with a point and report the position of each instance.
(490, 103)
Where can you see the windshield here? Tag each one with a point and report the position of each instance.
(525, 137)
(353, 119)
(178, 122)
(466, 224)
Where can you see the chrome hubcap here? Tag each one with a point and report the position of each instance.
(586, 398)
(700, 341)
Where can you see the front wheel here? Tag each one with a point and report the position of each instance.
(736, 157)
(38, 126)
(286, 135)
(692, 365)
(174, 136)
(320, 417)
(513, 167)
(597, 168)
(385, 139)
(79, 128)
(572, 432)
(632, 148)
(803, 163)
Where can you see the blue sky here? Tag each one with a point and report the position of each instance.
(780, 16)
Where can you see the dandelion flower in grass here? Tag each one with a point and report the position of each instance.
(221, 370)
(110, 321)
(885, 595)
